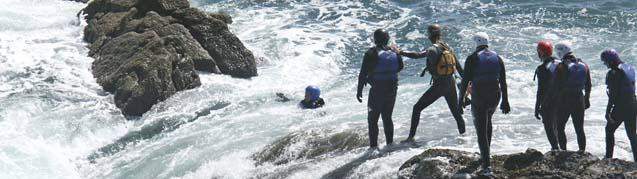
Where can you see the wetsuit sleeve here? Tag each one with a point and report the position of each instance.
(468, 72)
(540, 89)
(422, 54)
(401, 64)
(588, 85)
(503, 83)
(459, 68)
(363, 75)
(613, 90)
(320, 103)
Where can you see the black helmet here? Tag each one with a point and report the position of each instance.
(381, 37)
(434, 30)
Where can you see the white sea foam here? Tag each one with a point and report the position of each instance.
(53, 115)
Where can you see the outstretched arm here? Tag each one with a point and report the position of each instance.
(422, 54)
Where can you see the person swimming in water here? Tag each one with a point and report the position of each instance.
(312, 99)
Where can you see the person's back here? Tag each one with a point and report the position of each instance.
(484, 69)
(380, 69)
(441, 64)
(545, 73)
(571, 91)
(622, 103)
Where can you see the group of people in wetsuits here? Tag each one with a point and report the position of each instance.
(564, 86)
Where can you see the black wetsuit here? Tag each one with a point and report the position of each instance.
(545, 74)
(312, 104)
(382, 96)
(442, 86)
(486, 93)
(570, 101)
(622, 107)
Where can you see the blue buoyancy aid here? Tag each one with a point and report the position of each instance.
(628, 82)
(488, 68)
(577, 74)
(387, 66)
(552, 66)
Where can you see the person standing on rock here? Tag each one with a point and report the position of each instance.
(622, 103)
(572, 76)
(441, 64)
(484, 69)
(545, 73)
(380, 69)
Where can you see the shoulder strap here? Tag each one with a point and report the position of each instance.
(442, 45)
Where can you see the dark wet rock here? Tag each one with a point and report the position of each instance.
(212, 32)
(82, 1)
(147, 50)
(311, 144)
(446, 163)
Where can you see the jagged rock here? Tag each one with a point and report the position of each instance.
(141, 70)
(213, 34)
(97, 7)
(446, 163)
(146, 50)
(310, 144)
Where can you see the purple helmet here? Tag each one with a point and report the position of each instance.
(610, 56)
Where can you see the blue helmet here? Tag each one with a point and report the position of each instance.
(313, 91)
(610, 56)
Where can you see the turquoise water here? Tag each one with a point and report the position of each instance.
(53, 115)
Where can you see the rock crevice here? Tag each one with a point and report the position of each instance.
(147, 50)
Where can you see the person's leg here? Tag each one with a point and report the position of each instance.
(610, 137)
(452, 101)
(562, 115)
(479, 111)
(492, 108)
(427, 99)
(489, 125)
(578, 122)
(629, 123)
(386, 113)
(373, 113)
(548, 118)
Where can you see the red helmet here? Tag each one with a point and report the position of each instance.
(545, 47)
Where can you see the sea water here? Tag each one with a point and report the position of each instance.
(54, 116)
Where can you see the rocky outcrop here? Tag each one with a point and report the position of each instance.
(445, 164)
(311, 144)
(147, 50)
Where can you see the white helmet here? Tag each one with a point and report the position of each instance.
(481, 38)
(562, 48)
